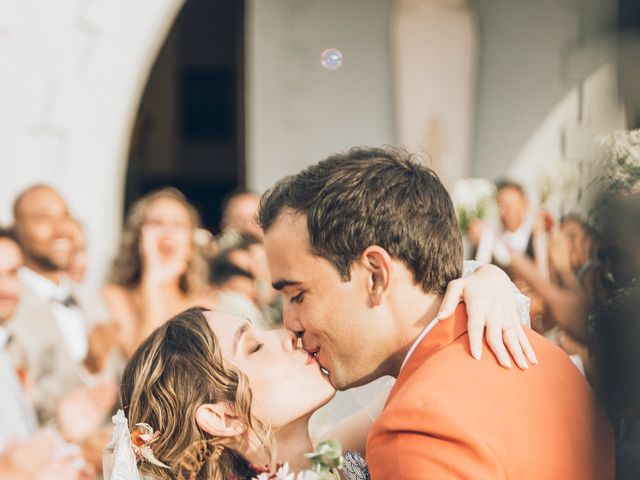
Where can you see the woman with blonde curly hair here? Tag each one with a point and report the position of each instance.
(159, 270)
(190, 380)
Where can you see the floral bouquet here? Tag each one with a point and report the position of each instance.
(619, 160)
(472, 199)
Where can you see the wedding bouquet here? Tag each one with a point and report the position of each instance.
(472, 199)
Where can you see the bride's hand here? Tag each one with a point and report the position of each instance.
(491, 303)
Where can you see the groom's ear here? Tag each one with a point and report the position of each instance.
(219, 419)
(377, 261)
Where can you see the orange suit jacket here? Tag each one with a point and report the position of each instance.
(451, 416)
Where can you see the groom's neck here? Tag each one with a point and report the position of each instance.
(413, 317)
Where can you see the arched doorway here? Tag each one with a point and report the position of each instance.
(189, 129)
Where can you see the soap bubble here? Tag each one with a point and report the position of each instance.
(331, 58)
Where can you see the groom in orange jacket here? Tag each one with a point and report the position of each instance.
(363, 245)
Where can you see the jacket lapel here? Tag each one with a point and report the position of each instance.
(444, 333)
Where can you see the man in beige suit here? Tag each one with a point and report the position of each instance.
(50, 329)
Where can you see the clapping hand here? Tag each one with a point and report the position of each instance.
(161, 265)
(38, 458)
(102, 339)
(559, 253)
(83, 411)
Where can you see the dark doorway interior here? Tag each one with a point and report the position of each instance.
(189, 132)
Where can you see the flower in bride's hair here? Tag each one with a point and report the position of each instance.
(142, 437)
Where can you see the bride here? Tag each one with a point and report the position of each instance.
(226, 396)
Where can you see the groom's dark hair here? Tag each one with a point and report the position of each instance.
(374, 196)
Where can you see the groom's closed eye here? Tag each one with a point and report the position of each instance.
(298, 298)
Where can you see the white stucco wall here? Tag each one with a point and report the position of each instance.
(297, 111)
(566, 136)
(71, 76)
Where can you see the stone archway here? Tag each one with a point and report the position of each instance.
(72, 77)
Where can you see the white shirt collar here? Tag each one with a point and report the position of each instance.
(424, 333)
(4, 338)
(519, 239)
(43, 287)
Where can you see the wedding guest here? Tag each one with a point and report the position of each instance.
(78, 416)
(521, 232)
(234, 289)
(567, 302)
(51, 330)
(158, 270)
(17, 418)
(580, 240)
(517, 231)
(239, 213)
(245, 255)
(226, 275)
(564, 294)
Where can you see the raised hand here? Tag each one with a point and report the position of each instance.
(559, 252)
(27, 459)
(65, 468)
(161, 265)
(39, 458)
(83, 411)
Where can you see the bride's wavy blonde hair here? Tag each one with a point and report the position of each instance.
(178, 368)
(126, 269)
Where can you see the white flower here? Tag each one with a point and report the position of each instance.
(283, 473)
(471, 199)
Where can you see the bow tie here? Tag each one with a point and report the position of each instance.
(69, 301)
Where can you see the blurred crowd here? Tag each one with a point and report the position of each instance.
(63, 346)
(580, 272)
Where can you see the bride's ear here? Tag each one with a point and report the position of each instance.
(220, 420)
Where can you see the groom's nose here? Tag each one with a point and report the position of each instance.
(291, 320)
